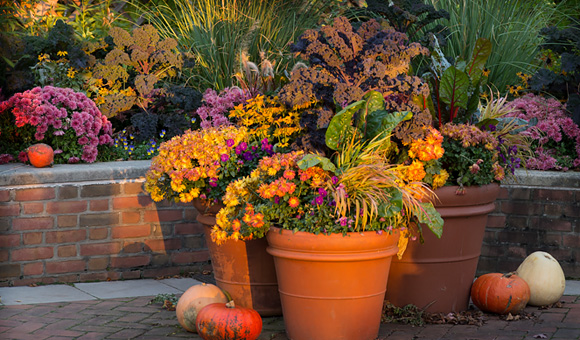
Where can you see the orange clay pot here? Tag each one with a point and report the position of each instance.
(242, 268)
(332, 287)
(437, 275)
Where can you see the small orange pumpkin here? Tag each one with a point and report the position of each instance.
(40, 155)
(193, 300)
(225, 321)
(500, 293)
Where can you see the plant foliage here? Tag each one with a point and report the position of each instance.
(344, 65)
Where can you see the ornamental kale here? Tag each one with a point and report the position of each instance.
(66, 120)
(344, 65)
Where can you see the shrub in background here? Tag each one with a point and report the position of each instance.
(513, 28)
(66, 120)
(555, 138)
(216, 32)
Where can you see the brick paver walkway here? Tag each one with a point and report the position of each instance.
(136, 318)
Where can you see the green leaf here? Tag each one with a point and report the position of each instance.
(431, 217)
(479, 57)
(375, 103)
(311, 160)
(453, 88)
(340, 128)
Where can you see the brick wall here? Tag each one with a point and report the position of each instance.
(541, 212)
(91, 228)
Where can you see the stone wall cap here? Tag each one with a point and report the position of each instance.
(20, 174)
(553, 179)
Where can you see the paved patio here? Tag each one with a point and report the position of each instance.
(123, 310)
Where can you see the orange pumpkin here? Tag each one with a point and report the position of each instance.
(500, 293)
(225, 321)
(193, 300)
(40, 155)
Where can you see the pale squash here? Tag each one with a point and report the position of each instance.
(544, 276)
(193, 300)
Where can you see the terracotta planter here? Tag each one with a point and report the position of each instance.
(332, 286)
(245, 270)
(437, 275)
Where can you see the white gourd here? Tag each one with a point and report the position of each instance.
(544, 276)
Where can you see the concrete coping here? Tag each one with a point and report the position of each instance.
(20, 174)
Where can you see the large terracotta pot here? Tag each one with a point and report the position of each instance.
(245, 270)
(437, 275)
(332, 287)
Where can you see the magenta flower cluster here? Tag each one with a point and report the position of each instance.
(53, 111)
(214, 111)
(553, 130)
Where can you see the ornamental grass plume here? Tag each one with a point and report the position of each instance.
(67, 120)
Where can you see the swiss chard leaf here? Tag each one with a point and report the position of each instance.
(340, 127)
(310, 160)
(453, 88)
(479, 57)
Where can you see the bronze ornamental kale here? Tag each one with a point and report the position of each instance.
(345, 64)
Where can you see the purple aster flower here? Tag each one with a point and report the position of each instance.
(277, 200)
(319, 200)
(248, 156)
(225, 157)
(322, 192)
(230, 142)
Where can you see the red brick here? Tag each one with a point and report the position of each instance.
(556, 224)
(100, 248)
(503, 193)
(132, 247)
(9, 209)
(570, 210)
(572, 241)
(32, 208)
(66, 207)
(521, 208)
(519, 193)
(9, 241)
(31, 254)
(551, 239)
(98, 263)
(67, 251)
(98, 233)
(61, 267)
(133, 188)
(163, 215)
(31, 223)
(67, 221)
(493, 221)
(68, 192)
(37, 194)
(96, 190)
(4, 255)
(554, 195)
(36, 268)
(194, 242)
(132, 202)
(190, 257)
(189, 228)
(9, 270)
(131, 231)
(130, 217)
(87, 277)
(516, 252)
(162, 245)
(161, 272)
(4, 195)
(131, 275)
(67, 236)
(32, 238)
(130, 261)
(553, 210)
(99, 219)
(99, 205)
